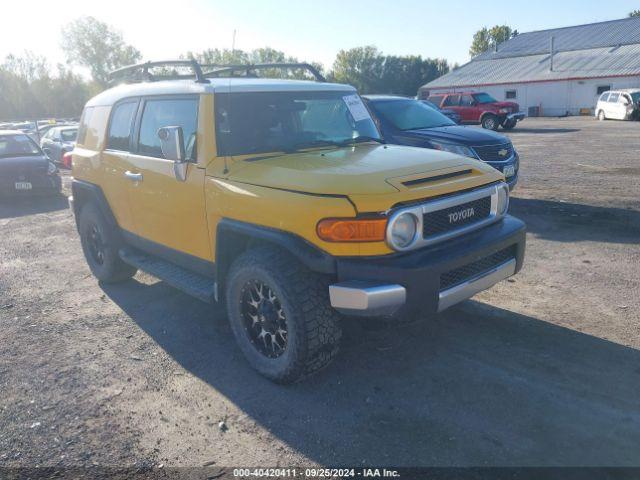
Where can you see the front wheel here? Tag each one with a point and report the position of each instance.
(490, 122)
(509, 124)
(280, 315)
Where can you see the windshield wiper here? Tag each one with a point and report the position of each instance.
(360, 139)
(313, 143)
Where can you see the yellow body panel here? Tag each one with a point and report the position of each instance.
(289, 192)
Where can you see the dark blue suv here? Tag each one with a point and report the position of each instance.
(404, 121)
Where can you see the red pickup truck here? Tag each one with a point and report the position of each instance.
(480, 107)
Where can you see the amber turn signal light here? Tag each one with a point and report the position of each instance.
(352, 230)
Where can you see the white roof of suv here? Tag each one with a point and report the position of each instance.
(215, 85)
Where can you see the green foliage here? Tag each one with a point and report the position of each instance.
(29, 90)
(634, 13)
(91, 43)
(367, 69)
(259, 55)
(488, 38)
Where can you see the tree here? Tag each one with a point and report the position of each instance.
(488, 38)
(94, 44)
(258, 55)
(370, 71)
(634, 13)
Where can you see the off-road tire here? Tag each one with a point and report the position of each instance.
(313, 326)
(490, 122)
(111, 269)
(509, 124)
(601, 116)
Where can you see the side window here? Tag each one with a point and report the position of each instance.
(84, 121)
(451, 101)
(613, 98)
(168, 113)
(466, 101)
(604, 97)
(435, 99)
(120, 126)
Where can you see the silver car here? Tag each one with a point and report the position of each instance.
(58, 141)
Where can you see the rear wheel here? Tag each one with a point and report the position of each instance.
(601, 115)
(509, 124)
(490, 122)
(100, 246)
(280, 315)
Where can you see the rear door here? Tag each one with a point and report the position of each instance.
(452, 102)
(115, 160)
(168, 212)
(469, 110)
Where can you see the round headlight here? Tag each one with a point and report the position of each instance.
(503, 199)
(403, 230)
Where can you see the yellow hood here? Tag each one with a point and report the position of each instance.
(374, 177)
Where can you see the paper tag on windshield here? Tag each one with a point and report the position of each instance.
(356, 107)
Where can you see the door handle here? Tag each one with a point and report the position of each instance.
(134, 177)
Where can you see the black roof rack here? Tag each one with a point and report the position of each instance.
(249, 69)
(140, 72)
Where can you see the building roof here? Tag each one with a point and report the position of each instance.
(215, 85)
(605, 49)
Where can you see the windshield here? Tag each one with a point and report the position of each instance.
(262, 122)
(17, 146)
(69, 135)
(409, 114)
(484, 98)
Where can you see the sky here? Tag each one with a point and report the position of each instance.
(310, 30)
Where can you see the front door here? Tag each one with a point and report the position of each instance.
(166, 211)
(469, 110)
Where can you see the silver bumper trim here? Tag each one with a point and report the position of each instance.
(468, 289)
(517, 116)
(367, 299)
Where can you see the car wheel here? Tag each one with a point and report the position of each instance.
(490, 122)
(509, 124)
(100, 246)
(280, 315)
(601, 115)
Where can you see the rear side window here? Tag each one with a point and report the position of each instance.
(435, 99)
(82, 130)
(452, 101)
(120, 126)
(168, 113)
(466, 101)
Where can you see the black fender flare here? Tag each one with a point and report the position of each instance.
(233, 236)
(84, 192)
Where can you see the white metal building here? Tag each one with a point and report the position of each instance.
(553, 72)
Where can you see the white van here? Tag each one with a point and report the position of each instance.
(618, 104)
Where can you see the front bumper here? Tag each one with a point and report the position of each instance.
(411, 282)
(517, 116)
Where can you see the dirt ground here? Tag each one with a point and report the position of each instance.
(542, 370)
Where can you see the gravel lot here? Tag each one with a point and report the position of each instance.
(543, 370)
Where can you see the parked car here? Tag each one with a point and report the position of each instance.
(59, 140)
(480, 108)
(450, 114)
(619, 105)
(24, 168)
(405, 121)
(278, 198)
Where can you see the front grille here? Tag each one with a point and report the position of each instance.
(474, 269)
(452, 218)
(492, 153)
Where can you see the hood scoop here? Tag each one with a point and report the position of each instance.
(436, 178)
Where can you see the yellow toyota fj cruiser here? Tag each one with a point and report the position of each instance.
(278, 198)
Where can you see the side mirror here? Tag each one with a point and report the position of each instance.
(172, 146)
(172, 143)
